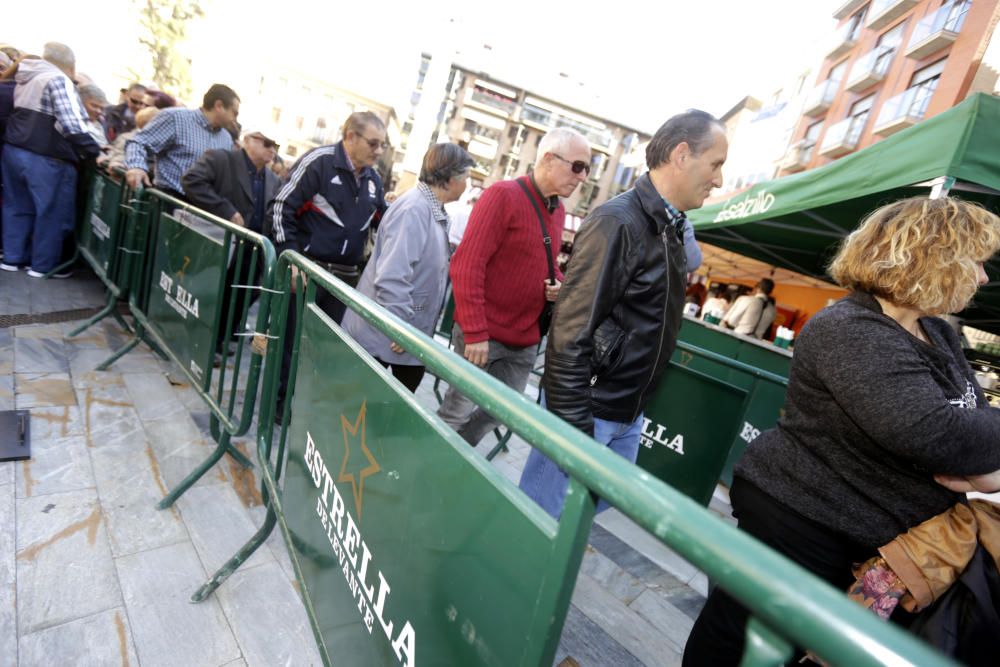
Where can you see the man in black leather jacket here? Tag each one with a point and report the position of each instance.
(616, 318)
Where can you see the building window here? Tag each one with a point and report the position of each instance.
(292, 151)
(859, 113)
(924, 83)
(837, 72)
(809, 141)
(956, 14)
(887, 44)
(855, 24)
(319, 134)
(299, 121)
(275, 115)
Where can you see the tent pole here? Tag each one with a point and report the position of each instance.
(942, 187)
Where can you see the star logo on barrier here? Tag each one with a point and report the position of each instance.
(356, 432)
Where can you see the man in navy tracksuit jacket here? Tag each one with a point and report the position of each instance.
(45, 139)
(325, 210)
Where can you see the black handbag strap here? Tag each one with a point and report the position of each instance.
(546, 239)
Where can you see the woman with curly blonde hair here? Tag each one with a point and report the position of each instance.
(884, 424)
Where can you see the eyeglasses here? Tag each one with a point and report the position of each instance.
(269, 144)
(138, 103)
(373, 144)
(576, 165)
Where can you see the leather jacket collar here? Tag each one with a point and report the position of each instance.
(652, 203)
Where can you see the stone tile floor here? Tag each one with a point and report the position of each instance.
(92, 573)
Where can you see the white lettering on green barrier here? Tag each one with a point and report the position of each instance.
(749, 433)
(749, 205)
(182, 301)
(345, 538)
(101, 229)
(653, 433)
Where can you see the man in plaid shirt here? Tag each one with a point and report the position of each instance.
(46, 138)
(177, 138)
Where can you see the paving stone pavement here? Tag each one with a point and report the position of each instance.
(92, 573)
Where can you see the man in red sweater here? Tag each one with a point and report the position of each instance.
(500, 275)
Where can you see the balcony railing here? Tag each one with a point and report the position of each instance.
(869, 69)
(491, 101)
(530, 114)
(799, 154)
(883, 12)
(820, 98)
(900, 112)
(844, 39)
(842, 138)
(938, 30)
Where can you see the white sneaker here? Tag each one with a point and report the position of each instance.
(9, 267)
(58, 276)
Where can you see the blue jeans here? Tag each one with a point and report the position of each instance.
(546, 483)
(39, 208)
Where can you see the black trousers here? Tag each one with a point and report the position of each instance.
(718, 635)
(329, 305)
(409, 376)
(238, 297)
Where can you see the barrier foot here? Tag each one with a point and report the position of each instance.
(501, 446)
(239, 456)
(238, 559)
(221, 450)
(121, 320)
(106, 364)
(109, 308)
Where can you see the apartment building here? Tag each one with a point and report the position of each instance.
(301, 112)
(891, 64)
(501, 125)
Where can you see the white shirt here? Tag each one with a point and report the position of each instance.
(751, 315)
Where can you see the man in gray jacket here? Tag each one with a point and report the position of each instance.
(408, 270)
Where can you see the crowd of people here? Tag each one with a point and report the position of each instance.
(885, 427)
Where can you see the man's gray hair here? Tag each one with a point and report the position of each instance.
(92, 92)
(558, 141)
(358, 121)
(59, 55)
(693, 127)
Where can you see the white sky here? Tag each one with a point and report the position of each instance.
(633, 62)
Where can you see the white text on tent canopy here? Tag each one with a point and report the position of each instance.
(749, 205)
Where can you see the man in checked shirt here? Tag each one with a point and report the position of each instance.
(46, 138)
(177, 137)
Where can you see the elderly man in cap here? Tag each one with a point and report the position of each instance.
(120, 118)
(235, 185)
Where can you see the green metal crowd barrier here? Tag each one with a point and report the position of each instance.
(688, 443)
(178, 301)
(101, 239)
(405, 542)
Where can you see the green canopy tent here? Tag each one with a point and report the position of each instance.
(797, 221)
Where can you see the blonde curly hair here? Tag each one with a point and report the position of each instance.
(919, 253)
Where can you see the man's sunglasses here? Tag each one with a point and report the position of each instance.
(138, 103)
(576, 165)
(267, 143)
(374, 144)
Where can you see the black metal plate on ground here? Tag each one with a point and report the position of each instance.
(15, 435)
